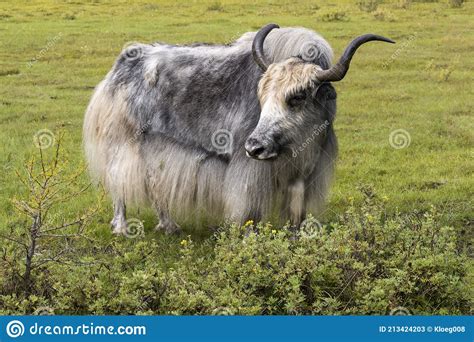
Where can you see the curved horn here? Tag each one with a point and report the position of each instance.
(339, 70)
(257, 46)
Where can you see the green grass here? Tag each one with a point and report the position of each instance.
(52, 54)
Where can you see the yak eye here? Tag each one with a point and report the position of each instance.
(296, 99)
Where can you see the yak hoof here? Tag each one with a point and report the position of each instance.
(170, 228)
(119, 227)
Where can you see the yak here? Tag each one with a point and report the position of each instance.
(242, 131)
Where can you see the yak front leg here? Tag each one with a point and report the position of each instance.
(166, 224)
(297, 205)
(119, 222)
(241, 209)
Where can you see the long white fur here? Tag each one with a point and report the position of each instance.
(182, 182)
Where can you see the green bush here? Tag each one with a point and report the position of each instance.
(216, 6)
(368, 5)
(404, 4)
(455, 3)
(384, 15)
(366, 263)
(336, 15)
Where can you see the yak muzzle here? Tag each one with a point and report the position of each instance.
(261, 150)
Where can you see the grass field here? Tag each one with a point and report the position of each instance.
(53, 53)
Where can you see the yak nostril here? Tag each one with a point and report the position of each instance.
(254, 152)
(254, 147)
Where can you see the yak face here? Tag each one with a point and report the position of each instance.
(292, 104)
(289, 96)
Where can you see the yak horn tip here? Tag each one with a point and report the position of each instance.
(339, 70)
(385, 39)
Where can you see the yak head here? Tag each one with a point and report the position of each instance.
(294, 95)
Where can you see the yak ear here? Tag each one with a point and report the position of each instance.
(324, 97)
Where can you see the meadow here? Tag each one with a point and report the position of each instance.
(405, 130)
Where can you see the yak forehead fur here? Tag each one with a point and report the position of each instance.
(285, 78)
(148, 131)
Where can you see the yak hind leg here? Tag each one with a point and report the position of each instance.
(166, 224)
(119, 222)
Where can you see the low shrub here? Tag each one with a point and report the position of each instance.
(404, 4)
(365, 263)
(384, 15)
(334, 16)
(368, 5)
(216, 6)
(455, 3)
